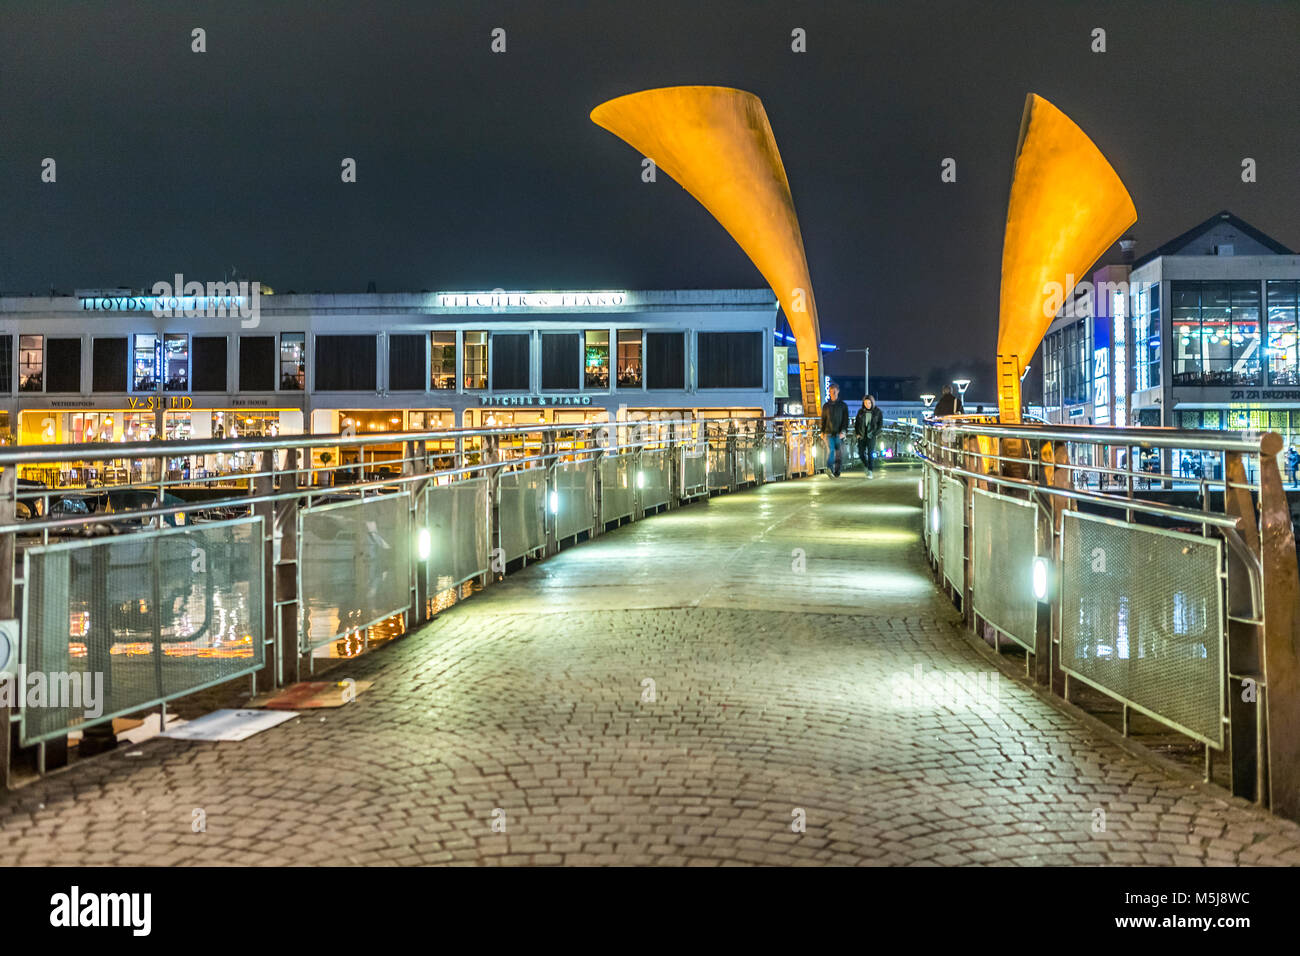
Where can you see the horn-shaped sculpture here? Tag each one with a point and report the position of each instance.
(1067, 207)
(718, 145)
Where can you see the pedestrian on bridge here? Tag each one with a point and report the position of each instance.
(835, 422)
(866, 428)
(1292, 461)
(948, 404)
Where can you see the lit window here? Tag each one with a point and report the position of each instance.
(146, 363)
(31, 363)
(293, 361)
(596, 363)
(629, 358)
(176, 359)
(476, 360)
(442, 360)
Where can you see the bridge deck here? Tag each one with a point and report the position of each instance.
(778, 626)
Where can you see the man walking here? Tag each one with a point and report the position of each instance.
(866, 427)
(835, 421)
(948, 404)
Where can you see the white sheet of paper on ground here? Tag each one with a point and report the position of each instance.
(230, 724)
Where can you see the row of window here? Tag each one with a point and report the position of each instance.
(477, 361)
(1222, 336)
(1067, 362)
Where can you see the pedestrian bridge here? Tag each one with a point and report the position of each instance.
(765, 676)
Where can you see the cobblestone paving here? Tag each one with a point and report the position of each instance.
(778, 627)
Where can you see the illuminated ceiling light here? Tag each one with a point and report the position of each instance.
(920, 488)
(934, 519)
(423, 544)
(555, 502)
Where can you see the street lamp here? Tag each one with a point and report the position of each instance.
(928, 399)
(962, 384)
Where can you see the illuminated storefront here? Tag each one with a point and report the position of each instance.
(1199, 333)
(99, 367)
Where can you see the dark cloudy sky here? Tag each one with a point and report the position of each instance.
(478, 170)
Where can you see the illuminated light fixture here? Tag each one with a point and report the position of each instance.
(920, 488)
(1067, 207)
(962, 384)
(1185, 340)
(423, 544)
(1187, 330)
(1040, 579)
(555, 502)
(934, 519)
(718, 145)
(928, 399)
(640, 479)
(762, 458)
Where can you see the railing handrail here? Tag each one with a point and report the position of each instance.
(183, 447)
(1141, 436)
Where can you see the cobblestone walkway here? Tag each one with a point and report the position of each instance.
(779, 628)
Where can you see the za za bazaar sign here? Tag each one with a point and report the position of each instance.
(500, 299)
(533, 401)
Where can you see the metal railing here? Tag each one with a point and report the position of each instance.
(1178, 599)
(310, 545)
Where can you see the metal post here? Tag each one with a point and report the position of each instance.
(8, 512)
(1244, 639)
(1281, 636)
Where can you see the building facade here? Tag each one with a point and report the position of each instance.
(101, 367)
(1199, 333)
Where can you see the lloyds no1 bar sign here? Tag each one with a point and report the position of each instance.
(532, 401)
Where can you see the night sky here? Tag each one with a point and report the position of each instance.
(479, 170)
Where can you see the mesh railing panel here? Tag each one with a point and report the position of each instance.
(457, 519)
(952, 536)
(719, 464)
(575, 490)
(747, 466)
(656, 481)
(1003, 535)
(931, 504)
(776, 458)
(695, 472)
(1142, 618)
(521, 512)
(617, 487)
(145, 617)
(354, 565)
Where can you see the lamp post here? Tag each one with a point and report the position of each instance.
(962, 384)
(928, 399)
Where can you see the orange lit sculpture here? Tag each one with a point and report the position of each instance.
(1067, 207)
(718, 145)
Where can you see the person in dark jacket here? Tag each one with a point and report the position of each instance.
(948, 404)
(866, 428)
(835, 422)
